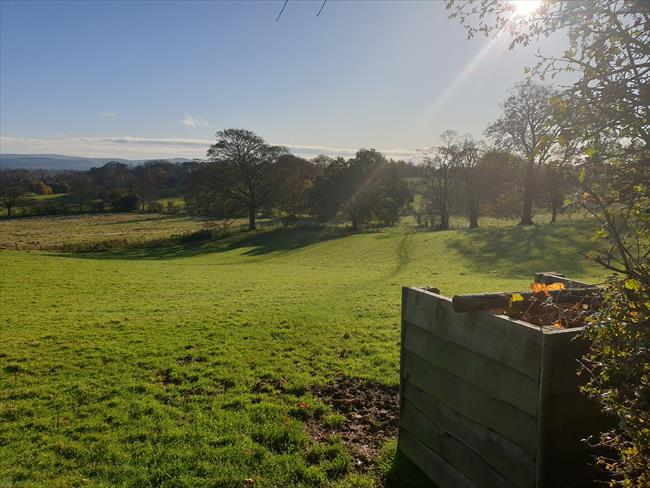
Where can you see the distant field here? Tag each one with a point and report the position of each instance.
(193, 365)
(57, 230)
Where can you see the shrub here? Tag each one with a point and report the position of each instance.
(619, 367)
(40, 188)
(171, 207)
(196, 236)
(155, 207)
(124, 202)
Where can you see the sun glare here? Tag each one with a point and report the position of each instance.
(525, 7)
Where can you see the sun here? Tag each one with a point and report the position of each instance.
(524, 8)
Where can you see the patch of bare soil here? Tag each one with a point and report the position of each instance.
(371, 412)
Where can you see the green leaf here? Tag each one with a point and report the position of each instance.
(632, 284)
(582, 175)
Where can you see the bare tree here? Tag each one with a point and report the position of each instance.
(441, 169)
(10, 191)
(245, 164)
(527, 129)
(470, 156)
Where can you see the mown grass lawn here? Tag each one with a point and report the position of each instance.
(143, 368)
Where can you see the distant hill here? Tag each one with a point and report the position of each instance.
(61, 162)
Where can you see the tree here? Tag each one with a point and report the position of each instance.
(150, 178)
(375, 190)
(245, 163)
(11, 190)
(329, 190)
(470, 158)
(40, 188)
(527, 129)
(556, 186)
(362, 188)
(442, 165)
(604, 116)
(293, 180)
(82, 190)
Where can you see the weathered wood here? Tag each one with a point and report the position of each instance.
(495, 379)
(503, 390)
(456, 453)
(544, 400)
(470, 401)
(433, 465)
(516, 464)
(549, 277)
(515, 344)
(501, 300)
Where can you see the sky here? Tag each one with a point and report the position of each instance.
(151, 79)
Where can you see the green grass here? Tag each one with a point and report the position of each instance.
(138, 368)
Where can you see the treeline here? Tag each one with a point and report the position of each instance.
(245, 177)
(114, 187)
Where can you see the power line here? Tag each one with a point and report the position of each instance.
(321, 8)
(283, 6)
(287, 1)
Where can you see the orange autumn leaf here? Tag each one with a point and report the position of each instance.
(537, 287)
(546, 289)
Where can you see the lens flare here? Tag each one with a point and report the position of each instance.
(525, 7)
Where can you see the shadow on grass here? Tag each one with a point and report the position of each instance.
(255, 244)
(402, 473)
(515, 251)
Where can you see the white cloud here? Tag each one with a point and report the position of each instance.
(133, 147)
(191, 121)
(108, 115)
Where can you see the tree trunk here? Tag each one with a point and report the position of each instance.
(9, 211)
(554, 212)
(473, 213)
(444, 219)
(355, 224)
(251, 218)
(529, 195)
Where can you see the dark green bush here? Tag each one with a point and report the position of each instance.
(200, 235)
(619, 368)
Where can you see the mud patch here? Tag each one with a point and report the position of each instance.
(370, 414)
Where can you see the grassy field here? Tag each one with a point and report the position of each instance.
(55, 231)
(194, 365)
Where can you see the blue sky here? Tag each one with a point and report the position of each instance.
(157, 79)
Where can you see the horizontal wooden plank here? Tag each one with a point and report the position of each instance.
(548, 278)
(513, 343)
(471, 402)
(497, 380)
(506, 457)
(450, 448)
(437, 469)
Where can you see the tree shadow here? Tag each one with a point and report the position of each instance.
(255, 243)
(515, 251)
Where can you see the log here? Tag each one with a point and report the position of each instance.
(486, 301)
